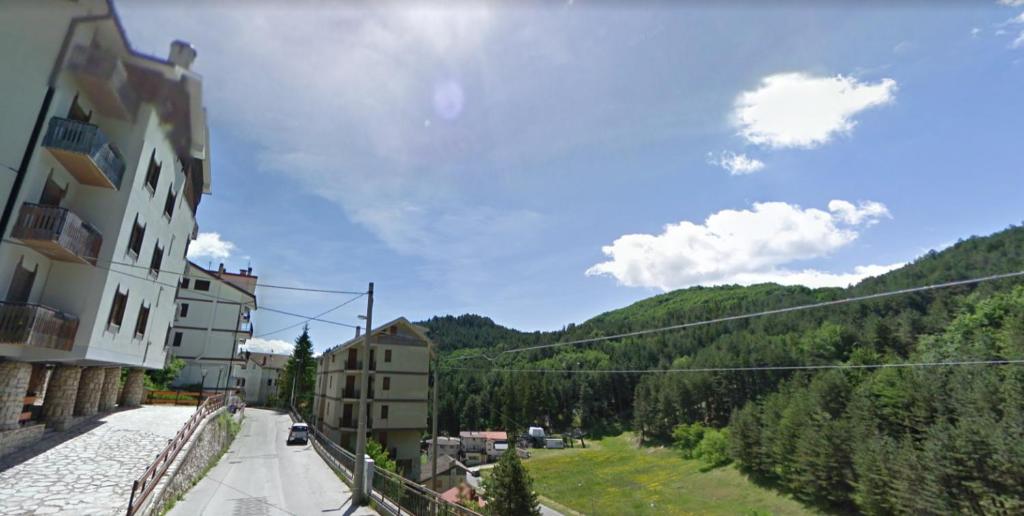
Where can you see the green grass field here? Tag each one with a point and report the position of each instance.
(613, 476)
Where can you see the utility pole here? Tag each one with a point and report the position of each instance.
(433, 431)
(358, 495)
(292, 403)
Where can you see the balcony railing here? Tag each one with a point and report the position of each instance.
(58, 233)
(103, 77)
(85, 152)
(36, 326)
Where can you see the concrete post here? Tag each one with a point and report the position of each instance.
(13, 385)
(89, 387)
(111, 382)
(368, 478)
(134, 388)
(60, 396)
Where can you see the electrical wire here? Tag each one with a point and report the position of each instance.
(314, 318)
(321, 314)
(750, 368)
(730, 318)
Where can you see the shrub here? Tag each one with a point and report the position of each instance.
(713, 449)
(687, 437)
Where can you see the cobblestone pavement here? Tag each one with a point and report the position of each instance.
(90, 473)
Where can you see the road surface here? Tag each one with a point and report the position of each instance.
(261, 475)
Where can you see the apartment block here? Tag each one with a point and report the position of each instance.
(105, 158)
(399, 364)
(260, 375)
(213, 319)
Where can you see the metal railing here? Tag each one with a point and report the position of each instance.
(61, 226)
(393, 493)
(82, 138)
(37, 326)
(144, 485)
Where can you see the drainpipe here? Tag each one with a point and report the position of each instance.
(44, 109)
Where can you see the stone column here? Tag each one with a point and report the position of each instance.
(60, 396)
(111, 382)
(133, 388)
(13, 384)
(89, 388)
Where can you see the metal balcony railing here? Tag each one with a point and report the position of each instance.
(58, 233)
(85, 152)
(37, 326)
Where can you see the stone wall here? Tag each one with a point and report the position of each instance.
(13, 440)
(13, 384)
(206, 444)
(108, 397)
(89, 387)
(60, 396)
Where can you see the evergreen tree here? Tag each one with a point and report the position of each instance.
(300, 371)
(509, 489)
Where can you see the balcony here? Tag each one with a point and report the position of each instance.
(85, 152)
(104, 79)
(58, 233)
(36, 326)
(353, 394)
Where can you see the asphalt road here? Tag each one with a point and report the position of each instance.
(261, 475)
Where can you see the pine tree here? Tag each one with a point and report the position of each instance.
(510, 489)
(302, 368)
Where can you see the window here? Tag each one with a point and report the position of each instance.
(158, 258)
(153, 173)
(383, 411)
(202, 285)
(143, 319)
(270, 382)
(387, 355)
(184, 283)
(169, 203)
(135, 241)
(387, 383)
(21, 284)
(117, 308)
(52, 194)
(184, 310)
(177, 339)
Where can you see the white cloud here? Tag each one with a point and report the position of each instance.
(268, 346)
(975, 31)
(743, 247)
(737, 164)
(210, 245)
(1012, 3)
(1019, 42)
(803, 111)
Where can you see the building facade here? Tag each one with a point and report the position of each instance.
(260, 376)
(397, 395)
(105, 156)
(212, 321)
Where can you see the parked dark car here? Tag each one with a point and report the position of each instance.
(299, 433)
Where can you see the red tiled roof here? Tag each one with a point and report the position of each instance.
(489, 435)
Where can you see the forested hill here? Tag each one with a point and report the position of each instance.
(870, 440)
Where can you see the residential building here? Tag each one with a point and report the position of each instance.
(260, 374)
(399, 365)
(450, 473)
(213, 320)
(105, 157)
(481, 447)
(445, 446)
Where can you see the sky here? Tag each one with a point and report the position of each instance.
(541, 163)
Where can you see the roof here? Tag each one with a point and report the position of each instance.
(214, 275)
(460, 491)
(445, 440)
(420, 331)
(444, 463)
(489, 435)
(269, 360)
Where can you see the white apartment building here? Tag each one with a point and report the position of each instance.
(213, 320)
(105, 157)
(397, 395)
(260, 375)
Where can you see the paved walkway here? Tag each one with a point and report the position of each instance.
(261, 475)
(88, 472)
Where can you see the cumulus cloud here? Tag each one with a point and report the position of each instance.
(796, 110)
(1012, 3)
(737, 164)
(268, 346)
(210, 245)
(743, 247)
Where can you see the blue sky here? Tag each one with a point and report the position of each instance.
(545, 163)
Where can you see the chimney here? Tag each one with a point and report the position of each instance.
(220, 270)
(358, 330)
(182, 54)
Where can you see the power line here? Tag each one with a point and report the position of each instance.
(750, 368)
(176, 273)
(314, 318)
(321, 314)
(755, 314)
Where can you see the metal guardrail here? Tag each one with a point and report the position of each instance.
(144, 485)
(393, 493)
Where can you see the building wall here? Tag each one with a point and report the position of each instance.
(31, 41)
